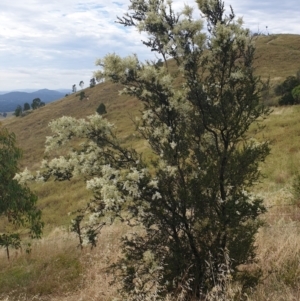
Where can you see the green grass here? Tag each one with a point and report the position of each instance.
(282, 129)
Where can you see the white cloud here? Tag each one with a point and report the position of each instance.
(64, 37)
(279, 16)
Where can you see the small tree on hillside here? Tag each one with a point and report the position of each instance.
(18, 111)
(17, 202)
(74, 88)
(81, 84)
(37, 103)
(101, 109)
(92, 82)
(195, 215)
(26, 106)
(82, 95)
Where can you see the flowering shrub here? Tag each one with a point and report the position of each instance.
(194, 210)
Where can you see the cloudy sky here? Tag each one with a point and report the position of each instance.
(54, 44)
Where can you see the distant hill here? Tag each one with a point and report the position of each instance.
(9, 101)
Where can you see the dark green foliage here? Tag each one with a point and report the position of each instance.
(287, 86)
(265, 92)
(298, 75)
(285, 91)
(101, 109)
(26, 106)
(296, 94)
(81, 84)
(92, 82)
(82, 95)
(37, 103)
(76, 228)
(17, 202)
(83, 231)
(286, 99)
(18, 111)
(10, 241)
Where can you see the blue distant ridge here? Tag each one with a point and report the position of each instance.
(9, 101)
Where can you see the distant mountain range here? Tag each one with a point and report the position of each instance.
(9, 101)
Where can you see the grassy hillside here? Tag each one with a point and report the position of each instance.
(277, 56)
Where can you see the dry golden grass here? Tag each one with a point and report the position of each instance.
(64, 272)
(96, 279)
(278, 241)
(279, 254)
(277, 56)
(52, 267)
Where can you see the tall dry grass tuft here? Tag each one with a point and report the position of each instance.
(53, 266)
(278, 249)
(279, 258)
(56, 269)
(96, 278)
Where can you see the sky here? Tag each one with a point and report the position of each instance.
(54, 44)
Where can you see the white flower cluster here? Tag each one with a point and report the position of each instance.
(233, 34)
(254, 143)
(87, 162)
(237, 75)
(97, 124)
(67, 127)
(114, 65)
(24, 176)
(153, 183)
(173, 144)
(150, 74)
(132, 180)
(170, 170)
(63, 128)
(58, 166)
(156, 196)
(106, 185)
